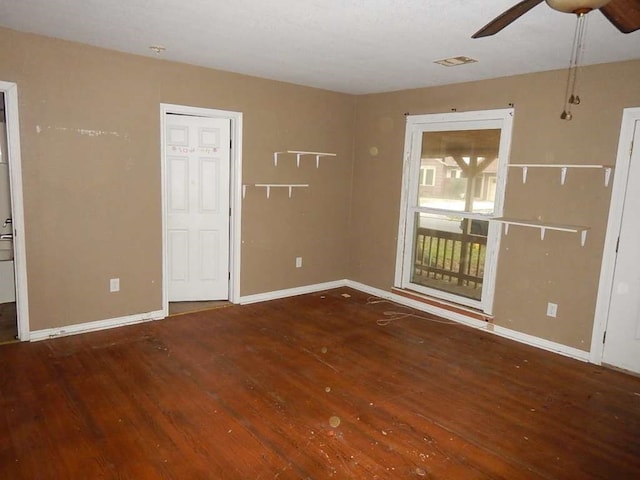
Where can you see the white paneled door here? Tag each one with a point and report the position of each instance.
(622, 341)
(198, 156)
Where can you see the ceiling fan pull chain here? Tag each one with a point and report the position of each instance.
(577, 50)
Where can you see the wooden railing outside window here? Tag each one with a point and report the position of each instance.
(453, 258)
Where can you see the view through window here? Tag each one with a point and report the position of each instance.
(452, 190)
(450, 249)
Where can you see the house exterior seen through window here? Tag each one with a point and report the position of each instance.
(454, 179)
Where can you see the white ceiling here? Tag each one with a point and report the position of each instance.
(352, 46)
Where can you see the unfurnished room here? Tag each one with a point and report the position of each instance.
(320, 239)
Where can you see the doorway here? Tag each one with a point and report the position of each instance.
(616, 332)
(14, 311)
(201, 202)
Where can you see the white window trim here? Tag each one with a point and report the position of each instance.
(416, 125)
(454, 173)
(426, 169)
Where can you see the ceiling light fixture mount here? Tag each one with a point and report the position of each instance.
(576, 6)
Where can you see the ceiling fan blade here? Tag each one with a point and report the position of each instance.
(505, 18)
(624, 14)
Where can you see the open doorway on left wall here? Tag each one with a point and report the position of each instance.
(8, 313)
(14, 298)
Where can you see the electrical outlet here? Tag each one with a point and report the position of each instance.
(552, 309)
(114, 285)
(298, 262)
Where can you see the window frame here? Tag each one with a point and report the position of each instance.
(423, 177)
(416, 125)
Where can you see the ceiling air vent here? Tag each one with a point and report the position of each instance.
(455, 61)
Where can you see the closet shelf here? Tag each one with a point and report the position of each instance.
(543, 227)
(269, 186)
(299, 155)
(563, 170)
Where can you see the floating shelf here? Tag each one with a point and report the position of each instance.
(269, 186)
(543, 227)
(563, 170)
(299, 155)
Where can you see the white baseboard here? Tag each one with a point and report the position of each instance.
(540, 343)
(472, 322)
(95, 326)
(291, 292)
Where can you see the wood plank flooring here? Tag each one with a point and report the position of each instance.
(180, 308)
(310, 387)
(8, 322)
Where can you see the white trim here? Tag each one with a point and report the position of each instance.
(17, 208)
(538, 342)
(471, 322)
(423, 180)
(404, 196)
(235, 193)
(95, 326)
(424, 307)
(630, 117)
(291, 292)
(416, 125)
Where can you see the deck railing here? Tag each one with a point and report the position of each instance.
(455, 258)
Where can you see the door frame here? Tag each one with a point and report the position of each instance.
(10, 91)
(235, 193)
(630, 117)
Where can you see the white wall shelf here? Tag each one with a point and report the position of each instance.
(563, 170)
(543, 227)
(299, 155)
(269, 186)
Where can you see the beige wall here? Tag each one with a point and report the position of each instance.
(91, 152)
(530, 272)
(90, 137)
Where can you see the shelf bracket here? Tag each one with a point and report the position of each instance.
(524, 174)
(269, 186)
(563, 175)
(607, 176)
(544, 227)
(299, 154)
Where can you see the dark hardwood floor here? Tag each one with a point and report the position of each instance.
(310, 387)
(8, 322)
(180, 308)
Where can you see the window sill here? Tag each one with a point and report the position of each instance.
(452, 307)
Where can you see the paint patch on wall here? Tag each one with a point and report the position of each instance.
(83, 131)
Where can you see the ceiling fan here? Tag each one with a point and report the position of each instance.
(623, 14)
